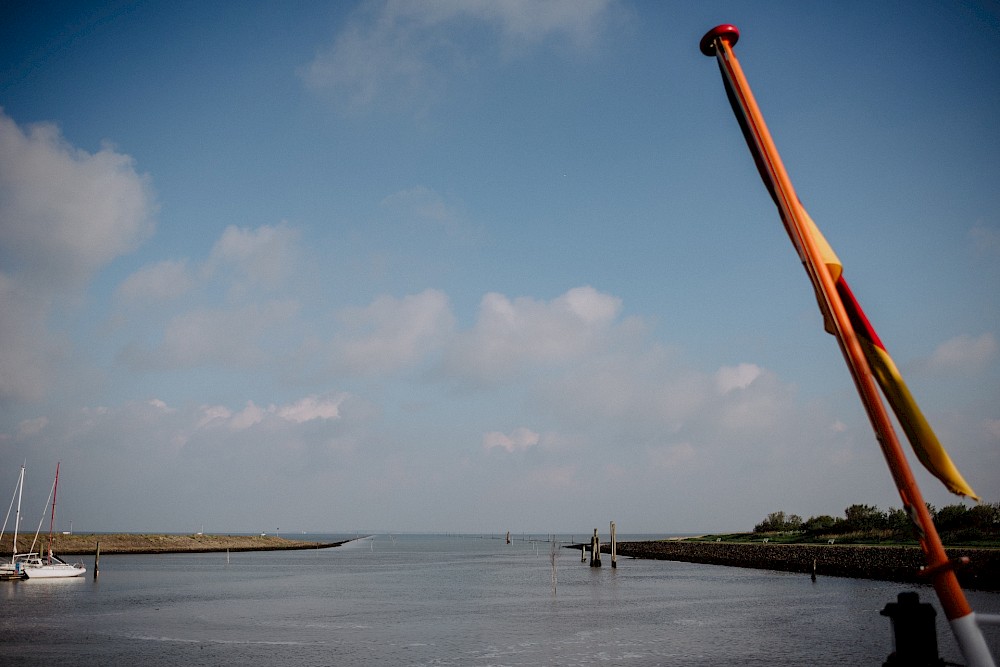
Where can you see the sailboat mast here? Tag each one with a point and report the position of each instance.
(52, 520)
(17, 516)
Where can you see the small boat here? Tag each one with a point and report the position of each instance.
(51, 567)
(35, 566)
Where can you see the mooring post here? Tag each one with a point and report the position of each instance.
(814, 570)
(595, 550)
(583, 553)
(97, 560)
(913, 632)
(614, 547)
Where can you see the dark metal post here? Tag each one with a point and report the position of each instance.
(913, 632)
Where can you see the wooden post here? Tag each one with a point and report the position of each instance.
(614, 548)
(583, 553)
(595, 550)
(97, 560)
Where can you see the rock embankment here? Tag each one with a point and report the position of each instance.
(889, 563)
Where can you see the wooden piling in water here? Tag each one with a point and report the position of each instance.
(595, 550)
(97, 560)
(614, 548)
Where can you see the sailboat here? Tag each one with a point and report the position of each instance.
(35, 566)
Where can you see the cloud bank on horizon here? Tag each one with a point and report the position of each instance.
(448, 289)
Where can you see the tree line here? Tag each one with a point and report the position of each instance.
(955, 523)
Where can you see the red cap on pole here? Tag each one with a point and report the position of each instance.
(725, 30)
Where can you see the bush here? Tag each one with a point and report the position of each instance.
(955, 523)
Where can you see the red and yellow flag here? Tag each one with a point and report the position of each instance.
(918, 431)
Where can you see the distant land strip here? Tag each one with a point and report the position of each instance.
(885, 563)
(129, 543)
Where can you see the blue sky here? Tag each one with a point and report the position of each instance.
(483, 266)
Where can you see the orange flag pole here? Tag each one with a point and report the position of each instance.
(718, 42)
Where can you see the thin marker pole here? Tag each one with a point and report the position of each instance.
(718, 42)
(614, 547)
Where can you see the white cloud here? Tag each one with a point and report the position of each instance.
(759, 407)
(227, 338)
(531, 21)
(30, 357)
(162, 281)
(511, 334)
(403, 51)
(268, 462)
(243, 259)
(212, 413)
(645, 400)
(729, 378)
(422, 204)
(519, 440)
(263, 256)
(307, 409)
(391, 333)
(31, 427)
(246, 417)
(642, 391)
(312, 407)
(65, 213)
(963, 353)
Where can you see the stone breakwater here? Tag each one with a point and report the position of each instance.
(889, 563)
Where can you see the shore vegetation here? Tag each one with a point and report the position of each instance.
(958, 525)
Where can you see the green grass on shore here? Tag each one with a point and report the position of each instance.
(882, 538)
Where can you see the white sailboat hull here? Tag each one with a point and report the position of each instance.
(36, 567)
(55, 571)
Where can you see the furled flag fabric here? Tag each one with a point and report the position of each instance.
(918, 431)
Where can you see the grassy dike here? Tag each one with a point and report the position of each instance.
(129, 543)
(886, 563)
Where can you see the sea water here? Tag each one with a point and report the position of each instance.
(448, 600)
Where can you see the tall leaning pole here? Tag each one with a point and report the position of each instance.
(719, 43)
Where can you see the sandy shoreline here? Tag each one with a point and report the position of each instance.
(129, 543)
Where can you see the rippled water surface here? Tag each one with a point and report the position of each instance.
(439, 600)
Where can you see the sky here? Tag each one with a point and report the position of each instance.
(482, 266)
